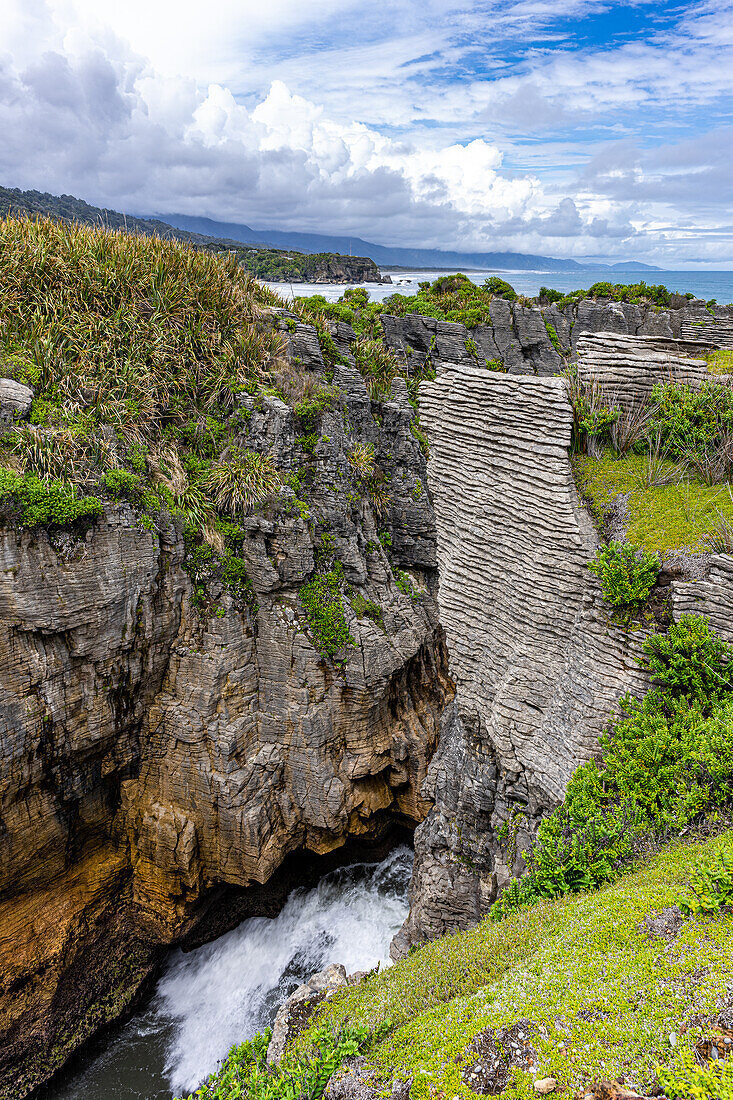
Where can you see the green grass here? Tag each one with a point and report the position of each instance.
(580, 967)
(720, 361)
(662, 518)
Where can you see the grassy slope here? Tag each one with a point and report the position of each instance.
(607, 994)
(678, 515)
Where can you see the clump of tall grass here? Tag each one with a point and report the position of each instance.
(241, 479)
(361, 459)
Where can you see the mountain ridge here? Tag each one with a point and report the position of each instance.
(385, 255)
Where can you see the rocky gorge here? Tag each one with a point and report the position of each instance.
(168, 743)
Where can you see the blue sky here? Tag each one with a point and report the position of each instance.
(581, 128)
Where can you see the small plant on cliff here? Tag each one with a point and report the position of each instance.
(666, 761)
(37, 503)
(626, 573)
(321, 599)
(555, 339)
(242, 479)
(245, 1074)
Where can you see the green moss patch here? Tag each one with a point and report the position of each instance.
(720, 361)
(680, 515)
(604, 996)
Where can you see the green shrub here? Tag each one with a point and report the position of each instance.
(712, 886)
(689, 419)
(688, 1080)
(690, 662)
(501, 288)
(36, 503)
(322, 603)
(626, 573)
(245, 1074)
(123, 485)
(665, 761)
(550, 296)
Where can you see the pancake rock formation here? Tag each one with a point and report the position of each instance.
(537, 662)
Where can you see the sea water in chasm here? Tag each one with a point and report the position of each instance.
(222, 993)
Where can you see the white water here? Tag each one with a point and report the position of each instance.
(222, 993)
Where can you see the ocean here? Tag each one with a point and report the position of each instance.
(703, 284)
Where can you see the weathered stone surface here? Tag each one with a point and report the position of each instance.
(519, 337)
(152, 753)
(626, 368)
(15, 401)
(538, 665)
(294, 1014)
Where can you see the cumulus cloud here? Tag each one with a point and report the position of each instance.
(414, 129)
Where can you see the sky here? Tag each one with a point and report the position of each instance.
(573, 128)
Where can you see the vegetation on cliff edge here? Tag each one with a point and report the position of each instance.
(148, 359)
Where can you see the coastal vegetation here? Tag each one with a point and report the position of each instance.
(145, 374)
(268, 264)
(456, 298)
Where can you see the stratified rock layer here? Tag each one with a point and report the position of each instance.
(526, 339)
(537, 663)
(153, 752)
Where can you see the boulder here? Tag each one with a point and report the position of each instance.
(15, 401)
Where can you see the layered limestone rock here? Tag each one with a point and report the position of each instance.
(538, 664)
(525, 339)
(627, 368)
(154, 751)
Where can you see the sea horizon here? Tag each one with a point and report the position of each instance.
(709, 285)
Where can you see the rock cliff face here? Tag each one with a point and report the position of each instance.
(537, 664)
(341, 269)
(154, 752)
(519, 336)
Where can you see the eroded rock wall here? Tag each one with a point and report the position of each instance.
(538, 664)
(526, 339)
(153, 751)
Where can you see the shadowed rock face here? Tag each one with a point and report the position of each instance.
(537, 665)
(152, 753)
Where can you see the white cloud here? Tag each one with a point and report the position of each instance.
(329, 119)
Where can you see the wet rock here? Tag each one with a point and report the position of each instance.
(293, 1016)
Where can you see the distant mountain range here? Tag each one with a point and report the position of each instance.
(263, 261)
(384, 255)
(283, 255)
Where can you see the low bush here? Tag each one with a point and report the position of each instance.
(36, 503)
(690, 419)
(712, 885)
(626, 573)
(686, 1079)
